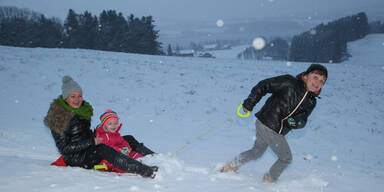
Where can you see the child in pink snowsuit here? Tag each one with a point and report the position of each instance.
(108, 129)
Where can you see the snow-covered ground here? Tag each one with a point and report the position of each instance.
(166, 102)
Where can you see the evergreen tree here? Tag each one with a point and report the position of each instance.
(88, 29)
(72, 33)
(46, 33)
(169, 50)
(111, 31)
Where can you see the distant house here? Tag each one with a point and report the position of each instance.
(185, 53)
(206, 55)
(212, 47)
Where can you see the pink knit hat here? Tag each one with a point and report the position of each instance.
(107, 116)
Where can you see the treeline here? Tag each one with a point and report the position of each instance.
(111, 31)
(376, 27)
(327, 43)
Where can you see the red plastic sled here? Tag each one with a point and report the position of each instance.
(104, 165)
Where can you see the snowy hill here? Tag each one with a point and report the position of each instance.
(168, 101)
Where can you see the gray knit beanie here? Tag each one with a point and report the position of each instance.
(69, 86)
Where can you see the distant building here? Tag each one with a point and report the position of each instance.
(206, 55)
(185, 53)
(212, 47)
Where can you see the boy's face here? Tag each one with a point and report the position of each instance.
(75, 99)
(314, 82)
(112, 126)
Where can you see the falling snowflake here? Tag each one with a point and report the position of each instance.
(289, 64)
(258, 43)
(334, 158)
(313, 32)
(220, 23)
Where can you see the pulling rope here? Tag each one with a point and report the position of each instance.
(211, 129)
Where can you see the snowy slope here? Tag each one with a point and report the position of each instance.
(168, 101)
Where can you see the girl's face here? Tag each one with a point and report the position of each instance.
(314, 81)
(112, 126)
(75, 99)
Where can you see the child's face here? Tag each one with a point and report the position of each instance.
(314, 81)
(112, 126)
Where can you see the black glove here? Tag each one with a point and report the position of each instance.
(246, 106)
(291, 122)
(245, 110)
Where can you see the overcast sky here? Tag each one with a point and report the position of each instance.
(171, 11)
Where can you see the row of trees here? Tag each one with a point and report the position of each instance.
(328, 43)
(25, 28)
(110, 31)
(376, 27)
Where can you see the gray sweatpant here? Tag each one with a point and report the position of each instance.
(267, 137)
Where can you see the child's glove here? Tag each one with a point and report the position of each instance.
(126, 150)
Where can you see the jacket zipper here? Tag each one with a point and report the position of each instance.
(282, 121)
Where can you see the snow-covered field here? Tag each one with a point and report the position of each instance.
(166, 102)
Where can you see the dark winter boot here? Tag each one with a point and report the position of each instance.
(147, 171)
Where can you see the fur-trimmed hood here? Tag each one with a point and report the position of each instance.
(60, 113)
(58, 117)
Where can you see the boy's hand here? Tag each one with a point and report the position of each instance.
(291, 122)
(245, 110)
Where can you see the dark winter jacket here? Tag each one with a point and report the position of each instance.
(78, 139)
(71, 132)
(287, 92)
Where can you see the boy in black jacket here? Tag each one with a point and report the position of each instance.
(289, 106)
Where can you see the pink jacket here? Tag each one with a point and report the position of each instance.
(116, 141)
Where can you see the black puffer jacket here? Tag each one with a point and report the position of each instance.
(287, 92)
(78, 138)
